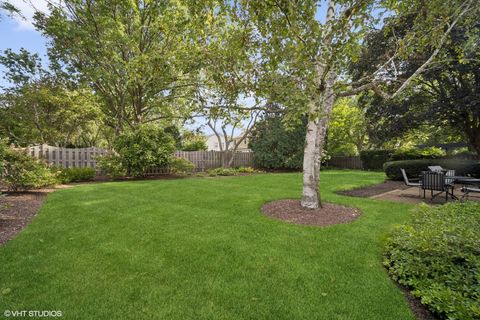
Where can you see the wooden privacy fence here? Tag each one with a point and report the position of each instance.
(86, 157)
(346, 162)
(67, 157)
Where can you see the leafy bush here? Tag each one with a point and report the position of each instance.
(76, 174)
(222, 172)
(111, 165)
(276, 147)
(413, 153)
(247, 170)
(23, 172)
(181, 165)
(413, 168)
(145, 147)
(437, 254)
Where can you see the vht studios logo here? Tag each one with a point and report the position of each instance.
(32, 313)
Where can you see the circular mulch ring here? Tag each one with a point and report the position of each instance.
(291, 211)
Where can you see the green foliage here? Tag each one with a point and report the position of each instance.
(374, 159)
(437, 254)
(181, 165)
(23, 172)
(222, 172)
(42, 107)
(247, 170)
(3, 151)
(144, 147)
(413, 168)
(347, 131)
(275, 146)
(151, 43)
(111, 165)
(231, 171)
(76, 174)
(194, 143)
(414, 153)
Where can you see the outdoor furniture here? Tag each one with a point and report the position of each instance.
(436, 181)
(436, 169)
(411, 182)
(449, 174)
(467, 190)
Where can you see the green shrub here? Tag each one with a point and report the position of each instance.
(76, 174)
(247, 170)
(181, 165)
(276, 147)
(111, 165)
(437, 255)
(374, 159)
(144, 147)
(23, 172)
(413, 168)
(222, 172)
(413, 153)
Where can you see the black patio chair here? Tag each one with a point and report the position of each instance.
(411, 182)
(435, 181)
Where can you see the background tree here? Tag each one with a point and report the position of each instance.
(40, 106)
(445, 97)
(347, 130)
(137, 55)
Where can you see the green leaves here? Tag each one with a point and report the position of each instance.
(437, 254)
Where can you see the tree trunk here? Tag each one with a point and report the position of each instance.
(311, 167)
(318, 113)
(315, 139)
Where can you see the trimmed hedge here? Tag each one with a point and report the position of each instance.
(374, 159)
(413, 168)
(437, 255)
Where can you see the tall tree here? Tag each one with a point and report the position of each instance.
(40, 106)
(138, 55)
(446, 95)
(309, 56)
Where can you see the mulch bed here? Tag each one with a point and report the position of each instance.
(17, 210)
(291, 211)
(373, 190)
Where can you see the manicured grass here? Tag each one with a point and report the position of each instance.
(200, 249)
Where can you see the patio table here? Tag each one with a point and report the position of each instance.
(464, 180)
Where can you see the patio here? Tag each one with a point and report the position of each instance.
(411, 195)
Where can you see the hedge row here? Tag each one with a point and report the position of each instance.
(414, 168)
(374, 159)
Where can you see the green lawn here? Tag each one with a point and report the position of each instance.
(200, 249)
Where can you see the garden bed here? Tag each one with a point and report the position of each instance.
(291, 211)
(16, 211)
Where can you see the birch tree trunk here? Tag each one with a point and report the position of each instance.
(315, 139)
(319, 113)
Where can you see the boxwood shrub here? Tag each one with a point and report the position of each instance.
(437, 256)
(413, 168)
